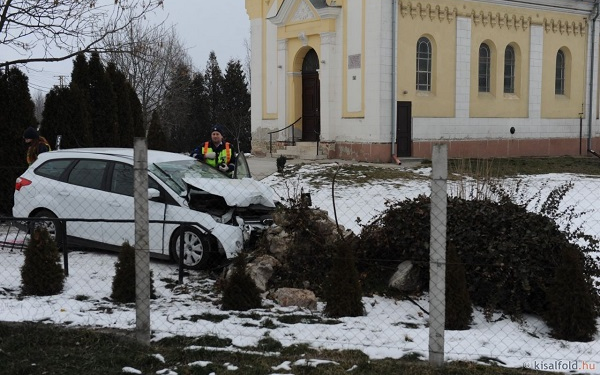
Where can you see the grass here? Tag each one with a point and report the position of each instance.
(361, 174)
(36, 348)
(507, 167)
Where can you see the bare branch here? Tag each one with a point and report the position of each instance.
(48, 31)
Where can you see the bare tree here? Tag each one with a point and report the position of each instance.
(39, 100)
(57, 30)
(157, 53)
(247, 60)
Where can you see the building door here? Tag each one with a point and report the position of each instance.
(311, 98)
(403, 128)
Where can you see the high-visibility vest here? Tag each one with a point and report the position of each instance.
(223, 157)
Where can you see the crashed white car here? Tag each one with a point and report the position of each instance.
(92, 188)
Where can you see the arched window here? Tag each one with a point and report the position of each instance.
(509, 70)
(424, 64)
(485, 62)
(559, 80)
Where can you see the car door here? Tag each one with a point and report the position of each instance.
(82, 198)
(122, 206)
(242, 170)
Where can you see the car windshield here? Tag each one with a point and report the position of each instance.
(173, 172)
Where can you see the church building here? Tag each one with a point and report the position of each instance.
(380, 80)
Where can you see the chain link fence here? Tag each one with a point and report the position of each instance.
(187, 301)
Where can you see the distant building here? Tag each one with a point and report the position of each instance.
(375, 79)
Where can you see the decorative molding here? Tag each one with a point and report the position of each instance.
(573, 28)
(328, 38)
(500, 20)
(414, 10)
(303, 13)
(303, 38)
(282, 44)
(514, 21)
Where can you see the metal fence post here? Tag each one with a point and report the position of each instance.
(142, 254)
(437, 254)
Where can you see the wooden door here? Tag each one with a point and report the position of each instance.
(311, 102)
(403, 129)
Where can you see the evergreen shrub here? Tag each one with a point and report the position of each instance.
(123, 285)
(343, 294)
(42, 273)
(309, 257)
(513, 257)
(239, 290)
(459, 309)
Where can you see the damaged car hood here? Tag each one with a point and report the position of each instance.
(236, 192)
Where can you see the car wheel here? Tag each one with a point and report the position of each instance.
(52, 226)
(196, 248)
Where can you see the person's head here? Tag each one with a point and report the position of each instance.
(216, 134)
(30, 134)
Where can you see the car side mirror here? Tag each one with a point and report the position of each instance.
(153, 193)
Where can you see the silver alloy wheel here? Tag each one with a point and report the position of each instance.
(196, 248)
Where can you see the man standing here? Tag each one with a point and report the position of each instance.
(216, 152)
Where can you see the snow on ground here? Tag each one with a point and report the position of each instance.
(390, 329)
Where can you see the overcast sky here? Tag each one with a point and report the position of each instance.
(202, 25)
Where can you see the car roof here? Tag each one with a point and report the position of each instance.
(154, 156)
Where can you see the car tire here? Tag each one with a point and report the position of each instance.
(197, 248)
(52, 226)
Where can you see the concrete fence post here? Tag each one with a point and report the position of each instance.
(142, 252)
(437, 254)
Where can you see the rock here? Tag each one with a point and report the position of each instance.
(405, 279)
(261, 269)
(295, 297)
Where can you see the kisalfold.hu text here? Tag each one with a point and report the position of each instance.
(561, 365)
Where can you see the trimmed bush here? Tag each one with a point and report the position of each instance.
(570, 313)
(309, 257)
(123, 286)
(239, 290)
(42, 274)
(511, 253)
(343, 294)
(459, 310)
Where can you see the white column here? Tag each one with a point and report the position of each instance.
(463, 67)
(282, 84)
(326, 67)
(256, 76)
(536, 50)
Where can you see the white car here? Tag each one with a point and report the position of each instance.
(92, 187)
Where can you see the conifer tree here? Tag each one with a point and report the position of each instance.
(139, 128)
(125, 131)
(200, 124)
(175, 114)
(42, 274)
(105, 127)
(123, 286)
(239, 291)
(156, 135)
(236, 115)
(214, 87)
(342, 290)
(16, 114)
(80, 75)
(65, 114)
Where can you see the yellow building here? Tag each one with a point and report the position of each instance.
(377, 80)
